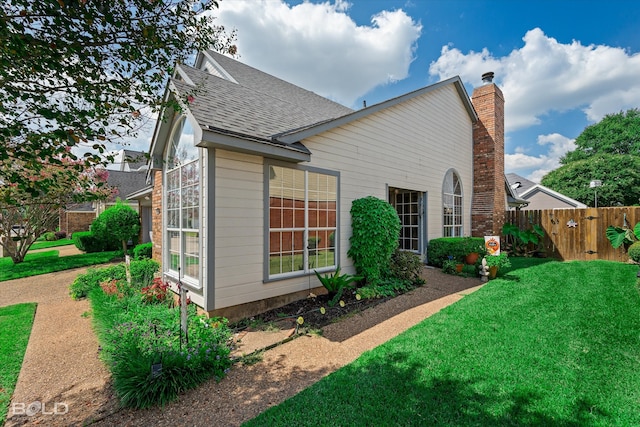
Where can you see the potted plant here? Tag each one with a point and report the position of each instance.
(494, 262)
(449, 266)
(472, 248)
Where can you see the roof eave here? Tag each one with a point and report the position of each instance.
(218, 138)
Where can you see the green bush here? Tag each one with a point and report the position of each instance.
(142, 272)
(441, 249)
(84, 283)
(88, 242)
(449, 266)
(634, 251)
(375, 233)
(143, 251)
(141, 346)
(117, 225)
(406, 266)
(383, 288)
(49, 236)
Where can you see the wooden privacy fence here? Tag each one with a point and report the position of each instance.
(578, 234)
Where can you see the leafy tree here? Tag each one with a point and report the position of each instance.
(25, 217)
(609, 151)
(614, 134)
(619, 173)
(88, 72)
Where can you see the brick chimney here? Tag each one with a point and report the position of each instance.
(489, 197)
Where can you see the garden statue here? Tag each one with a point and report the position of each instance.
(484, 271)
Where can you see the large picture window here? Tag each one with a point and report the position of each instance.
(302, 221)
(452, 205)
(182, 184)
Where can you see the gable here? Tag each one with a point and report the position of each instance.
(315, 129)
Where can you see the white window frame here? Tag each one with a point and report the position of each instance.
(416, 210)
(305, 229)
(452, 205)
(182, 230)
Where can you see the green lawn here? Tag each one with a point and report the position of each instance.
(43, 244)
(554, 344)
(49, 262)
(15, 328)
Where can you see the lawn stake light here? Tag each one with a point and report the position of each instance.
(156, 368)
(184, 327)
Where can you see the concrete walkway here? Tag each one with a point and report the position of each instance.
(60, 366)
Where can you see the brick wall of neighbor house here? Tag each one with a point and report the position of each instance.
(156, 206)
(488, 205)
(75, 221)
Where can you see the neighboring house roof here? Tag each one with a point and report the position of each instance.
(128, 160)
(126, 182)
(535, 193)
(513, 201)
(134, 160)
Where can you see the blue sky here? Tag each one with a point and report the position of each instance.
(562, 65)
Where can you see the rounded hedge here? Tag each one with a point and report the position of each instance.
(634, 252)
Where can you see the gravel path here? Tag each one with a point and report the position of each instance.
(61, 364)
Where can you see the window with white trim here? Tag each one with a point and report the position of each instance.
(302, 221)
(452, 205)
(182, 183)
(408, 204)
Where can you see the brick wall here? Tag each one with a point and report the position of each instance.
(75, 221)
(488, 205)
(156, 215)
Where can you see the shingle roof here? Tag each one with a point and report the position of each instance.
(524, 184)
(126, 182)
(135, 159)
(258, 105)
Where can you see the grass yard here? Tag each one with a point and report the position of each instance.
(49, 262)
(15, 328)
(554, 344)
(43, 244)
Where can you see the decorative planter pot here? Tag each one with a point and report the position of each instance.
(493, 271)
(471, 258)
(459, 267)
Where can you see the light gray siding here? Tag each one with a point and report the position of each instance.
(410, 145)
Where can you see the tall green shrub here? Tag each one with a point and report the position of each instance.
(375, 233)
(118, 222)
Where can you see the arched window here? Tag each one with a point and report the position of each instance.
(182, 183)
(452, 205)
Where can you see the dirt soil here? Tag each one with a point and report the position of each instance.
(61, 364)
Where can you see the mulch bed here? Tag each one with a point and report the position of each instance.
(437, 286)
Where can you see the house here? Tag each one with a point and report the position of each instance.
(538, 196)
(127, 175)
(253, 179)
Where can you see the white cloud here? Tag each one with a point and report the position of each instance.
(319, 47)
(545, 76)
(541, 165)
